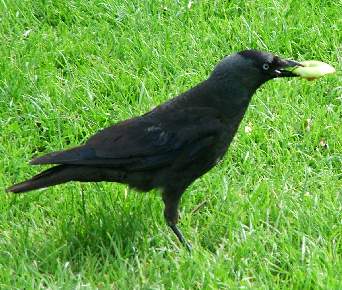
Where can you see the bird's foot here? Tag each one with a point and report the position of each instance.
(180, 237)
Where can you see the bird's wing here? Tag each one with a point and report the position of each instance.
(145, 142)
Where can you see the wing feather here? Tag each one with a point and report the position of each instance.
(145, 142)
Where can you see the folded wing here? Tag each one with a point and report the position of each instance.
(150, 141)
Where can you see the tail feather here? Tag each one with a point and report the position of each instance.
(55, 175)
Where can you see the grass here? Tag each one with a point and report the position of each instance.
(272, 217)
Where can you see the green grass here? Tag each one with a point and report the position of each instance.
(273, 212)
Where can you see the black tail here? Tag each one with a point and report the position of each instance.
(55, 175)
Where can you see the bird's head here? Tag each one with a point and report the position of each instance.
(252, 68)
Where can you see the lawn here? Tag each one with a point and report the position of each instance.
(271, 214)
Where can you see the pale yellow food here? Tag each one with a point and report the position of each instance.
(313, 69)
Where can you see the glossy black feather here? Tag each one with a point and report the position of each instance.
(146, 142)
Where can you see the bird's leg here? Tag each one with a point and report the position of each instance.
(171, 202)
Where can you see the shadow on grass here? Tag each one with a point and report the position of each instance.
(98, 232)
(111, 232)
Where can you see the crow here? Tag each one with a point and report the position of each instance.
(175, 143)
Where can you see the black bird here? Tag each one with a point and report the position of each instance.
(175, 143)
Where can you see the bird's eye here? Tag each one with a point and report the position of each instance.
(265, 66)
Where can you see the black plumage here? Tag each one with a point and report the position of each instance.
(172, 145)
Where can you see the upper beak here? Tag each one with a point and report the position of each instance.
(285, 68)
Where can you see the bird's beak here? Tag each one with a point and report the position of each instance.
(285, 68)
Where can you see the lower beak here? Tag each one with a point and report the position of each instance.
(286, 67)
